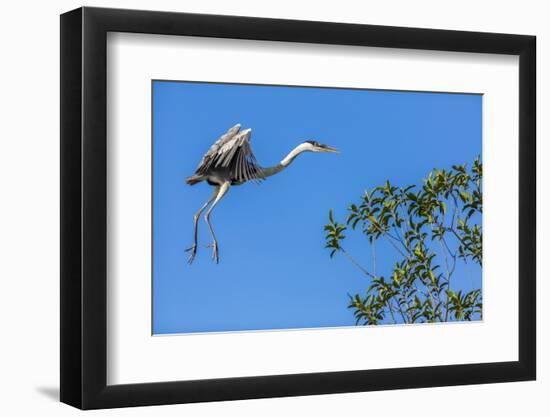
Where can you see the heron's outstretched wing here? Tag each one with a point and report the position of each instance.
(232, 153)
(210, 156)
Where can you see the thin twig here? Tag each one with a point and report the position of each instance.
(373, 258)
(357, 264)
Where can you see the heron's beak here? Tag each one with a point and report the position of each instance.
(327, 148)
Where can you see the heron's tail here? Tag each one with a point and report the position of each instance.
(194, 179)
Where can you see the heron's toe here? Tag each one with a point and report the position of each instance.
(193, 250)
(215, 256)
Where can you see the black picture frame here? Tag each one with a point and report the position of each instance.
(84, 207)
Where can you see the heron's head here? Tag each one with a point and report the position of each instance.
(313, 146)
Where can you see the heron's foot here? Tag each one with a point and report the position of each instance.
(215, 255)
(193, 250)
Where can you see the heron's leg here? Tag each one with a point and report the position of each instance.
(223, 189)
(193, 249)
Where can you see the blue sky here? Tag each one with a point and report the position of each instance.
(274, 272)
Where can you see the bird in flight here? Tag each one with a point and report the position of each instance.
(229, 162)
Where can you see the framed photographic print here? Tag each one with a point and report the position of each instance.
(258, 207)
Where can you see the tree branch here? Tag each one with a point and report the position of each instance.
(357, 264)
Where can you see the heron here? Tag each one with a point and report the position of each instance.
(231, 162)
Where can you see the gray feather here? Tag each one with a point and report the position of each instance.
(232, 152)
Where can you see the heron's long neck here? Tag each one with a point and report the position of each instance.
(267, 172)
